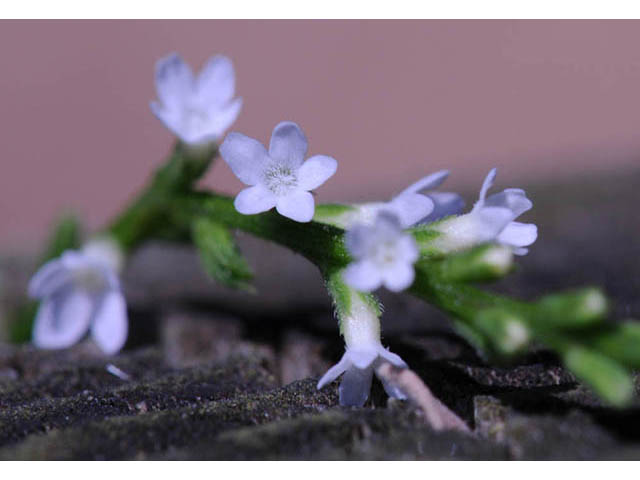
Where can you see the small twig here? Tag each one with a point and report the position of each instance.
(115, 371)
(437, 415)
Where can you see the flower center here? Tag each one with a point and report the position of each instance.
(90, 279)
(195, 119)
(384, 254)
(280, 179)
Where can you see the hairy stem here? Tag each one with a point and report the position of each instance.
(145, 217)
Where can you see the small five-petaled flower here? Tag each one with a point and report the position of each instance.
(197, 109)
(279, 177)
(80, 291)
(358, 365)
(418, 203)
(492, 219)
(383, 255)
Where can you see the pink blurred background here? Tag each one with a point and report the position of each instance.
(390, 100)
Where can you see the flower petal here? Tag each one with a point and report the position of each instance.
(334, 372)
(407, 249)
(515, 199)
(174, 81)
(362, 275)
(427, 183)
(399, 276)
(256, 199)
(216, 82)
(105, 251)
(297, 205)
(489, 222)
(171, 118)
(445, 204)
(358, 240)
(355, 387)
(387, 226)
(411, 208)
(73, 259)
(52, 276)
(518, 234)
(288, 144)
(246, 156)
(223, 118)
(486, 185)
(315, 171)
(109, 327)
(391, 357)
(362, 357)
(62, 320)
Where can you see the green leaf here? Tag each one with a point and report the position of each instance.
(21, 322)
(220, 255)
(608, 378)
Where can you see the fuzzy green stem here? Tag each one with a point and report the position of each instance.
(358, 313)
(321, 244)
(145, 217)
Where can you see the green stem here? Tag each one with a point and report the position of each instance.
(146, 216)
(358, 313)
(321, 244)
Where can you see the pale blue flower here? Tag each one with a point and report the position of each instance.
(198, 110)
(383, 255)
(443, 203)
(278, 178)
(358, 365)
(492, 219)
(416, 204)
(80, 291)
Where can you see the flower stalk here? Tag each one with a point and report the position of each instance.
(145, 218)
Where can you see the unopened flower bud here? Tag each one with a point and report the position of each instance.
(485, 263)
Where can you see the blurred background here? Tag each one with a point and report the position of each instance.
(546, 101)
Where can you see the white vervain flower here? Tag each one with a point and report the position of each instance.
(415, 204)
(197, 109)
(358, 365)
(80, 291)
(280, 177)
(363, 354)
(444, 203)
(383, 254)
(490, 220)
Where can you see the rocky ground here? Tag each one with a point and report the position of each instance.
(213, 374)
